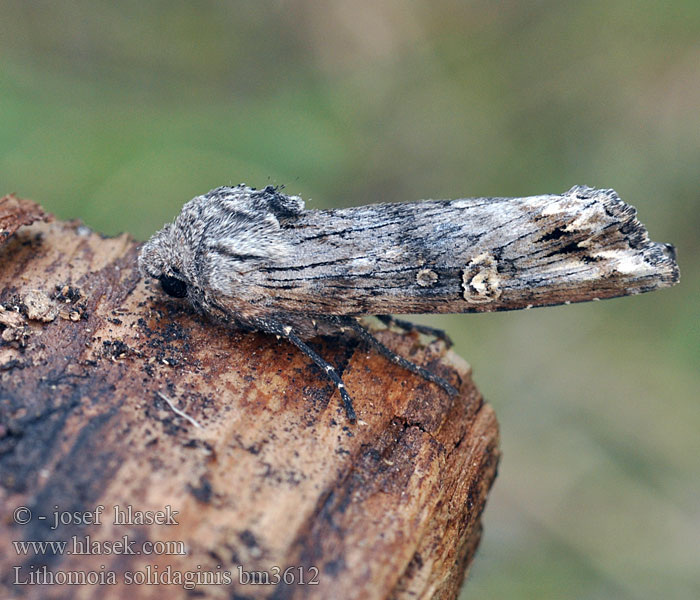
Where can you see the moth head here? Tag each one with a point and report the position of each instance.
(218, 240)
(161, 259)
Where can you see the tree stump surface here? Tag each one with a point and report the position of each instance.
(218, 457)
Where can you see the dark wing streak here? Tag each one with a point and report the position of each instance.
(349, 276)
(354, 230)
(303, 266)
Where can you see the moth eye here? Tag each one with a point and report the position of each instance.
(173, 286)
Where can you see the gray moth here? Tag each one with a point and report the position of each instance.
(257, 260)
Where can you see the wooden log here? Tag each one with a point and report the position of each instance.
(227, 454)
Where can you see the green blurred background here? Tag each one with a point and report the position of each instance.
(117, 113)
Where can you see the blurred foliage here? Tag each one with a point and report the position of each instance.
(117, 113)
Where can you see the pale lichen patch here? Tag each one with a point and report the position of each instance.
(556, 206)
(625, 262)
(591, 218)
(10, 318)
(39, 306)
(13, 326)
(426, 277)
(480, 280)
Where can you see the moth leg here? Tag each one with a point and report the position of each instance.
(352, 323)
(390, 320)
(287, 332)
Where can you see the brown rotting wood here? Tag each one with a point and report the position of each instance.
(276, 476)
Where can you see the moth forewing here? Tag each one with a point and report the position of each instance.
(470, 255)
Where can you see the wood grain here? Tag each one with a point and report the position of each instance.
(275, 476)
